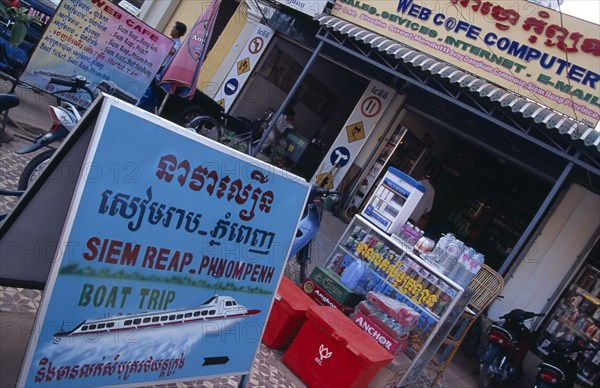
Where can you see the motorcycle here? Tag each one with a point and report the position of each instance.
(559, 368)
(507, 347)
(308, 228)
(7, 101)
(236, 132)
(65, 117)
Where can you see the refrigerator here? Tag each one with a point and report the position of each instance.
(393, 201)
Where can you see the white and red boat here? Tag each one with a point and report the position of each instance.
(214, 315)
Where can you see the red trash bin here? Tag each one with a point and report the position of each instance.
(287, 315)
(331, 351)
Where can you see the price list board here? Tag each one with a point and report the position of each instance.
(100, 41)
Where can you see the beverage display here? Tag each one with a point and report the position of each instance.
(394, 200)
(466, 267)
(368, 261)
(577, 318)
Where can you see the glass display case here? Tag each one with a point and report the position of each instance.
(398, 272)
(577, 316)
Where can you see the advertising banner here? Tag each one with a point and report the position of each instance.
(528, 49)
(100, 41)
(245, 63)
(172, 250)
(354, 135)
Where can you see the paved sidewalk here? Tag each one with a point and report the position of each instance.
(31, 116)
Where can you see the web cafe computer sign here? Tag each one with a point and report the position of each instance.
(528, 49)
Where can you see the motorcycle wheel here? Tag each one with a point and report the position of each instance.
(486, 376)
(185, 118)
(302, 258)
(206, 126)
(34, 168)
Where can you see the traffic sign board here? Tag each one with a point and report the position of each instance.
(256, 44)
(355, 132)
(243, 66)
(231, 86)
(371, 106)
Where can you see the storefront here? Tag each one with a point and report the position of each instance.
(513, 179)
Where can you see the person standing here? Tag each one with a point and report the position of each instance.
(425, 204)
(284, 123)
(149, 100)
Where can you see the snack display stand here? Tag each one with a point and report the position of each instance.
(396, 271)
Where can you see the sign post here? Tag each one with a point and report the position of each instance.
(357, 130)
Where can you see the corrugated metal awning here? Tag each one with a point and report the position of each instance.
(529, 109)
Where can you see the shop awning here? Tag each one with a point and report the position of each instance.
(529, 109)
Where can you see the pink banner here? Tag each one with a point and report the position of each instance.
(181, 76)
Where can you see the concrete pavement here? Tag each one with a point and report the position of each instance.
(31, 116)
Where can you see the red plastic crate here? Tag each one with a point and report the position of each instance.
(331, 351)
(287, 315)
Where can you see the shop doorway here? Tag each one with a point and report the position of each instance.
(483, 199)
(322, 105)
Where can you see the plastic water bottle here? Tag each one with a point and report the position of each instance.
(453, 249)
(461, 273)
(476, 264)
(466, 268)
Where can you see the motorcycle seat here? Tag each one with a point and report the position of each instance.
(8, 101)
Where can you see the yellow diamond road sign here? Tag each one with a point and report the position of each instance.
(325, 180)
(355, 132)
(243, 66)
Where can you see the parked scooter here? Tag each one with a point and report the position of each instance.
(559, 368)
(308, 228)
(7, 101)
(507, 347)
(65, 117)
(238, 132)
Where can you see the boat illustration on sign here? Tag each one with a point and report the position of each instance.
(212, 316)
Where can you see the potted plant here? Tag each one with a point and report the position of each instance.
(20, 21)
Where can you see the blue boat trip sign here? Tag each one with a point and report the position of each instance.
(171, 253)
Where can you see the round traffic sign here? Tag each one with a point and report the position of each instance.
(231, 86)
(339, 156)
(256, 44)
(371, 106)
